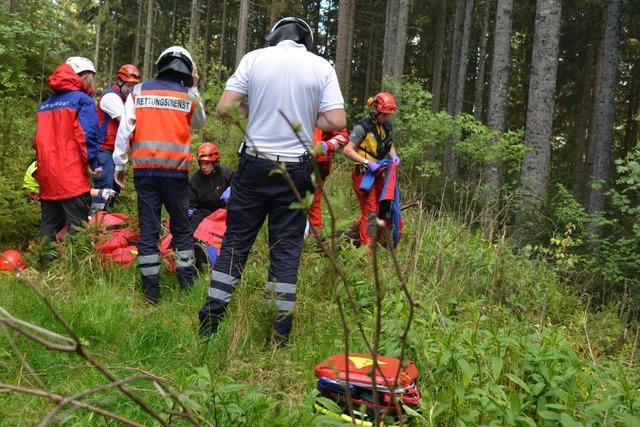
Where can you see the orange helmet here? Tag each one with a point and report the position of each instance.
(383, 102)
(11, 260)
(208, 152)
(129, 73)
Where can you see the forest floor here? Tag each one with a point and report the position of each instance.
(497, 337)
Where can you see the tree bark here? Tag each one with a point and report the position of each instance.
(541, 103)
(193, 23)
(370, 62)
(207, 45)
(275, 11)
(395, 38)
(604, 112)
(348, 64)
(148, 35)
(343, 40)
(478, 102)
(243, 23)
(456, 91)
(223, 36)
(136, 43)
(456, 47)
(497, 106)
(96, 55)
(114, 44)
(633, 110)
(436, 84)
(174, 21)
(582, 131)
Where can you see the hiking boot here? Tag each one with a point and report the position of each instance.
(208, 327)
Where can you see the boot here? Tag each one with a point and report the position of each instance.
(210, 315)
(151, 288)
(186, 277)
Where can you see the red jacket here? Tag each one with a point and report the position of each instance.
(66, 137)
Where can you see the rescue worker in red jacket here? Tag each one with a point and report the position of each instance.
(66, 143)
(208, 184)
(329, 142)
(371, 141)
(158, 117)
(110, 111)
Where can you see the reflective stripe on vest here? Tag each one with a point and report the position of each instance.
(162, 137)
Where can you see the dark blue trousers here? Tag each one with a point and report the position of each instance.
(257, 194)
(106, 180)
(173, 193)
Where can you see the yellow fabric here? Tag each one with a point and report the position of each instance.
(29, 183)
(370, 144)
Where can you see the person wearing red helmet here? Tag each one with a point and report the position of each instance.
(371, 141)
(110, 110)
(208, 184)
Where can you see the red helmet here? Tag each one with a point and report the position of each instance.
(129, 73)
(208, 152)
(11, 260)
(383, 102)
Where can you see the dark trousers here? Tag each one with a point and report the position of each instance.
(58, 213)
(257, 194)
(173, 193)
(106, 180)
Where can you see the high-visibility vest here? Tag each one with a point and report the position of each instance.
(107, 126)
(377, 141)
(162, 136)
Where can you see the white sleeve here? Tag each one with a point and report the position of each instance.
(197, 117)
(331, 98)
(239, 81)
(112, 105)
(125, 131)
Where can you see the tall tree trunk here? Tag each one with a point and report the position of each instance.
(148, 35)
(633, 110)
(436, 84)
(395, 38)
(478, 102)
(352, 25)
(456, 47)
(604, 112)
(223, 36)
(96, 55)
(275, 11)
(136, 43)
(579, 156)
(343, 40)
(370, 62)
(243, 23)
(497, 107)
(174, 21)
(193, 23)
(541, 102)
(114, 44)
(464, 56)
(207, 45)
(460, 51)
(103, 11)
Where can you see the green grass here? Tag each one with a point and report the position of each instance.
(498, 339)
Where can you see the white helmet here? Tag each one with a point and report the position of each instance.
(177, 60)
(175, 51)
(80, 64)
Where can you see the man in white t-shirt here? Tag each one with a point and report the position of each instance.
(110, 110)
(285, 77)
